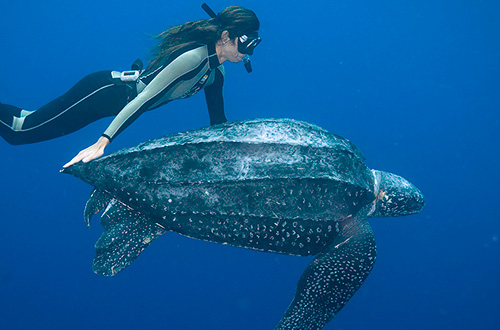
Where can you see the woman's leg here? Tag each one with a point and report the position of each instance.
(92, 98)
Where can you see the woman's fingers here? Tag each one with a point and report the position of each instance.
(94, 151)
(81, 155)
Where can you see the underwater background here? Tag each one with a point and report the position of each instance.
(414, 84)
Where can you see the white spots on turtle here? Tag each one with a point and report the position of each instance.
(146, 240)
(160, 225)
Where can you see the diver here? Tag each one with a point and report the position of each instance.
(187, 59)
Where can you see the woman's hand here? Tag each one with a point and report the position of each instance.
(94, 151)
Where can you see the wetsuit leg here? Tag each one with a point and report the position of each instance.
(94, 97)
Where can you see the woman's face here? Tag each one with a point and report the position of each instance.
(227, 49)
(231, 51)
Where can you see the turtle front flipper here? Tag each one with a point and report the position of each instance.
(331, 279)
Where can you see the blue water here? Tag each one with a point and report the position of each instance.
(414, 84)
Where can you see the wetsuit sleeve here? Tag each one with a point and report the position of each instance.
(215, 100)
(161, 84)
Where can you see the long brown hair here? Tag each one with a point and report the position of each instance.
(236, 20)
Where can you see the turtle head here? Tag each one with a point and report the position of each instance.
(395, 196)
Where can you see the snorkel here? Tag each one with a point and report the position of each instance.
(246, 43)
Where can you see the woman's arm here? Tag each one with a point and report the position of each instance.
(179, 67)
(215, 100)
(178, 70)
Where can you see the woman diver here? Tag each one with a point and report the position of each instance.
(188, 58)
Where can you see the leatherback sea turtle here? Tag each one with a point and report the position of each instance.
(273, 185)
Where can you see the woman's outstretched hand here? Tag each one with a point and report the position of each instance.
(94, 151)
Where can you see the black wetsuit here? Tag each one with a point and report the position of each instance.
(103, 94)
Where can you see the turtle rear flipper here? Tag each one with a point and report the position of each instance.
(126, 234)
(96, 203)
(331, 279)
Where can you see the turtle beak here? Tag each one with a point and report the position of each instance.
(395, 196)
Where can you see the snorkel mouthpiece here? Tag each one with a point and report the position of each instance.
(247, 63)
